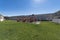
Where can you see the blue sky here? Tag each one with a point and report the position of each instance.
(28, 7)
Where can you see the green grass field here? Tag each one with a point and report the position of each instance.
(11, 30)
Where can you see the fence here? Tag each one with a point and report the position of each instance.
(56, 20)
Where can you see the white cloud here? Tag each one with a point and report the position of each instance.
(39, 1)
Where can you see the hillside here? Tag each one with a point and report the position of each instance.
(11, 30)
(48, 16)
(57, 13)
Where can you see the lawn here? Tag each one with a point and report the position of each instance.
(12, 30)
